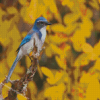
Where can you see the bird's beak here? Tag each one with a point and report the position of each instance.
(47, 23)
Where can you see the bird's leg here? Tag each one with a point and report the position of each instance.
(36, 54)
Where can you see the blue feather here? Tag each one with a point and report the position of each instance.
(40, 35)
(25, 40)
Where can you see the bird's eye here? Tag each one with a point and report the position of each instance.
(41, 23)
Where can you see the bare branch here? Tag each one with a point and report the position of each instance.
(20, 86)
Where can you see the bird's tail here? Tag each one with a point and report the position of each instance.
(12, 69)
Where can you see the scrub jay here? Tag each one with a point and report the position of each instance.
(35, 37)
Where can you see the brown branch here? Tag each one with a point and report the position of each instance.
(20, 86)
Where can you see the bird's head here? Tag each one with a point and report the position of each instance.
(41, 22)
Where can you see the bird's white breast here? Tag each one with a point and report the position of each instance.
(43, 32)
(28, 47)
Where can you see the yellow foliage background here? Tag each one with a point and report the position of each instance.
(69, 67)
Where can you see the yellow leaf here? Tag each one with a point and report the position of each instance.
(33, 89)
(4, 35)
(82, 60)
(12, 10)
(71, 28)
(94, 89)
(89, 13)
(87, 24)
(1, 14)
(95, 4)
(28, 62)
(87, 48)
(92, 56)
(59, 75)
(55, 92)
(58, 38)
(64, 47)
(47, 72)
(52, 6)
(15, 76)
(15, 35)
(3, 70)
(69, 3)
(11, 55)
(58, 28)
(23, 2)
(40, 72)
(47, 14)
(21, 97)
(78, 40)
(5, 89)
(24, 34)
(61, 62)
(2, 76)
(71, 18)
(23, 12)
(19, 69)
(51, 81)
(66, 79)
(48, 51)
(86, 27)
(55, 49)
(30, 13)
(83, 1)
(86, 78)
(40, 96)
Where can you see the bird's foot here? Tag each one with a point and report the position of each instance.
(35, 55)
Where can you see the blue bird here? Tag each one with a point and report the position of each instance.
(35, 36)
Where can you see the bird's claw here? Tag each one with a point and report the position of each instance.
(36, 55)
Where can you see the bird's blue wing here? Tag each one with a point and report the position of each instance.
(26, 39)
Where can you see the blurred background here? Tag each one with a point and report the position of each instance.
(69, 67)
